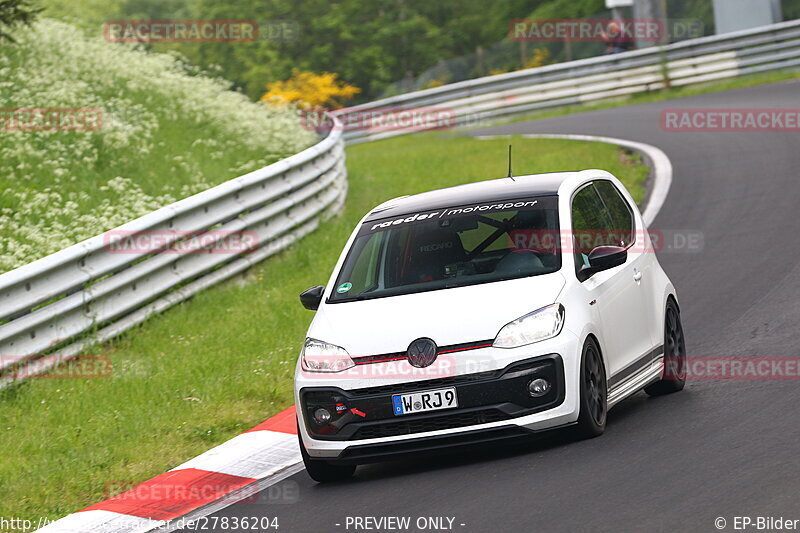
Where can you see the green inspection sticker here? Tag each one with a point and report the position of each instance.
(344, 287)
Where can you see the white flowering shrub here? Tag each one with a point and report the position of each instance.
(165, 134)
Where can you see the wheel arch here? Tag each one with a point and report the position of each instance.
(593, 336)
(668, 294)
(671, 296)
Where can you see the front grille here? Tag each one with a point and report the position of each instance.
(437, 423)
(396, 388)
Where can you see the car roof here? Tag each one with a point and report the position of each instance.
(469, 193)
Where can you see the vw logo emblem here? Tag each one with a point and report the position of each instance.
(422, 352)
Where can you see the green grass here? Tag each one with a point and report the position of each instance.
(742, 82)
(210, 368)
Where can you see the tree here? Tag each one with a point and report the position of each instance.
(14, 13)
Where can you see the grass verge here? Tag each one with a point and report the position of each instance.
(217, 365)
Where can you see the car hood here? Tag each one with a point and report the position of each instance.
(448, 316)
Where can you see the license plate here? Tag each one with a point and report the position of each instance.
(420, 402)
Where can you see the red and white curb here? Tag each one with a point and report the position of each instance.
(221, 476)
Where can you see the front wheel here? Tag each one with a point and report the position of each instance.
(673, 377)
(594, 392)
(323, 471)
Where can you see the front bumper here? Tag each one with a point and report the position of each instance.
(493, 404)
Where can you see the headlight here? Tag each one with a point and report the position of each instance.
(543, 324)
(318, 356)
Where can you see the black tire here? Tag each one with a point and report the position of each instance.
(673, 377)
(323, 471)
(594, 392)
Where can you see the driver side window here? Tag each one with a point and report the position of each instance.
(591, 224)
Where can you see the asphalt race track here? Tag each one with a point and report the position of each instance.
(676, 463)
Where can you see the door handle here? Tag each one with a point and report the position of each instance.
(637, 276)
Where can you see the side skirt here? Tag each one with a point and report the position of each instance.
(649, 373)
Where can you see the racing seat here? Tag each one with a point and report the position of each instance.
(431, 248)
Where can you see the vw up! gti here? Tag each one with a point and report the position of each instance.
(484, 311)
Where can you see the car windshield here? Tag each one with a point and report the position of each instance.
(451, 247)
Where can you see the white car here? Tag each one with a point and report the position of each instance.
(484, 311)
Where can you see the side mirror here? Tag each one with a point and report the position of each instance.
(312, 297)
(603, 258)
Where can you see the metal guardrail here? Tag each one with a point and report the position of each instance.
(54, 308)
(693, 61)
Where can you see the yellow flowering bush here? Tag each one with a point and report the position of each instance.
(540, 57)
(311, 90)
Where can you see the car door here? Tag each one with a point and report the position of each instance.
(616, 293)
(623, 218)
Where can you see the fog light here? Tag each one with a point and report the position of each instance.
(538, 387)
(322, 416)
